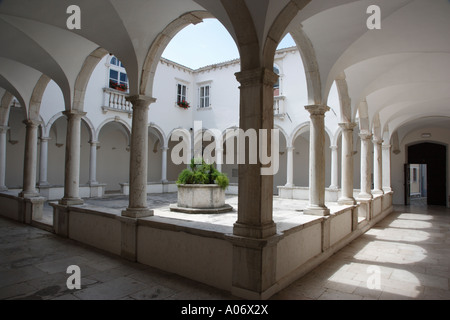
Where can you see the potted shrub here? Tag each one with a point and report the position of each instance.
(201, 189)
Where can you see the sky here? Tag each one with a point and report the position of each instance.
(206, 43)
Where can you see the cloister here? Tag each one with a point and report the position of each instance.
(355, 106)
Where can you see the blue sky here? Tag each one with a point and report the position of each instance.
(204, 44)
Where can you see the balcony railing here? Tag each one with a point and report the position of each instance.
(114, 100)
(278, 107)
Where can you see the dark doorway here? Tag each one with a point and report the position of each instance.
(435, 157)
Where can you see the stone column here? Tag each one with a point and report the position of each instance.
(43, 162)
(290, 167)
(377, 166)
(164, 164)
(334, 168)
(93, 163)
(3, 132)
(366, 165)
(387, 187)
(72, 167)
(30, 161)
(317, 161)
(138, 207)
(255, 195)
(347, 164)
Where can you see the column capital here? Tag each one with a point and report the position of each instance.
(365, 136)
(45, 139)
(31, 123)
(248, 78)
(164, 148)
(334, 148)
(94, 142)
(290, 148)
(140, 100)
(74, 113)
(317, 109)
(377, 140)
(347, 125)
(386, 146)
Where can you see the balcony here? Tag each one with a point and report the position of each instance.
(278, 107)
(115, 100)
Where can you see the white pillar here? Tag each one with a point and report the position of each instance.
(164, 164)
(347, 164)
(377, 166)
(137, 206)
(387, 187)
(93, 163)
(3, 131)
(29, 167)
(255, 195)
(72, 167)
(317, 161)
(290, 167)
(334, 168)
(43, 162)
(366, 165)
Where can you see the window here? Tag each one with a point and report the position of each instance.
(181, 93)
(118, 78)
(204, 96)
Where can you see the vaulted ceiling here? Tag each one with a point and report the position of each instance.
(400, 70)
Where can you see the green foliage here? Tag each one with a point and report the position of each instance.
(202, 173)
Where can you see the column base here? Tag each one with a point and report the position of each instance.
(346, 201)
(71, 201)
(137, 213)
(364, 196)
(377, 192)
(317, 211)
(255, 232)
(29, 195)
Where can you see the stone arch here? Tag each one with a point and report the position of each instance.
(278, 28)
(15, 93)
(89, 126)
(301, 128)
(125, 125)
(161, 42)
(83, 77)
(5, 103)
(310, 64)
(36, 98)
(344, 98)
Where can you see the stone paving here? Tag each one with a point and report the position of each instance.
(405, 256)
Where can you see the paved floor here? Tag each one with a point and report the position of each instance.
(406, 256)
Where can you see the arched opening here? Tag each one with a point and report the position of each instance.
(113, 160)
(426, 173)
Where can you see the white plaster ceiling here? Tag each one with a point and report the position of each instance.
(400, 69)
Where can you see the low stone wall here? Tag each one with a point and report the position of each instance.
(302, 193)
(210, 253)
(25, 210)
(152, 187)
